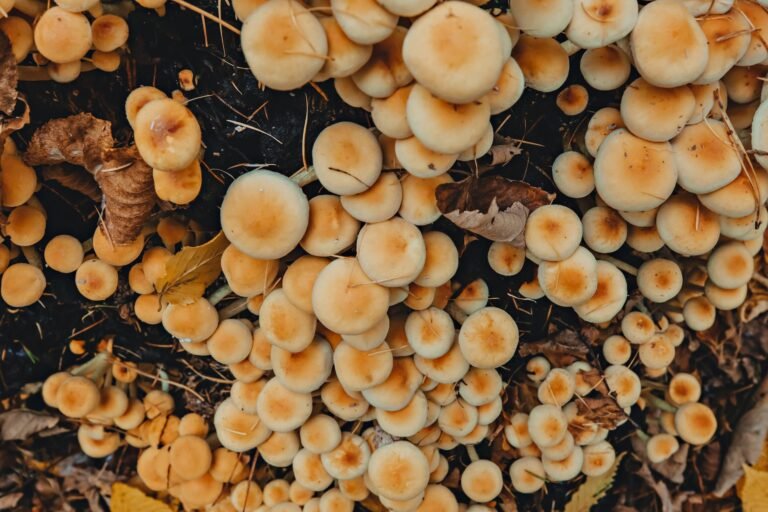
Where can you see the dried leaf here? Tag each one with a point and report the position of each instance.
(77, 140)
(190, 271)
(129, 499)
(754, 494)
(129, 193)
(502, 154)
(593, 489)
(9, 501)
(661, 489)
(673, 469)
(604, 411)
(9, 76)
(493, 207)
(19, 424)
(746, 443)
(561, 350)
(73, 178)
(596, 380)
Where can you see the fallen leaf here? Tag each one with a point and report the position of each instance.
(9, 501)
(673, 469)
(9, 76)
(129, 193)
(129, 499)
(603, 410)
(19, 424)
(493, 207)
(73, 178)
(502, 154)
(190, 271)
(746, 442)
(593, 489)
(660, 488)
(754, 493)
(562, 349)
(596, 380)
(78, 140)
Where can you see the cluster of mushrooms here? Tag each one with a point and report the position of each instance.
(367, 363)
(64, 40)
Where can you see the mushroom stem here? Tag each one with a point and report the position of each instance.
(473, 456)
(93, 368)
(304, 176)
(642, 435)
(219, 294)
(162, 375)
(569, 47)
(659, 403)
(88, 246)
(32, 256)
(654, 385)
(621, 265)
(234, 308)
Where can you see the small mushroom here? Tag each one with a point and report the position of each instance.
(167, 135)
(398, 471)
(62, 36)
(22, 285)
(527, 474)
(695, 423)
(659, 279)
(553, 232)
(605, 68)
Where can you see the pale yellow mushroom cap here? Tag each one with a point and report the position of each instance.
(508, 89)
(20, 34)
(600, 125)
(18, 180)
(488, 338)
(609, 298)
(364, 21)
(543, 61)
(656, 113)
(347, 158)
(345, 56)
(604, 229)
(571, 281)
(659, 279)
(553, 232)
(25, 225)
(385, 71)
(730, 265)
(62, 36)
(22, 285)
(724, 52)
(398, 471)
(167, 135)
(96, 280)
(686, 226)
(695, 423)
(660, 447)
(704, 157)
(391, 253)
(527, 474)
(64, 253)
(572, 173)
(605, 68)
(284, 44)
(598, 23)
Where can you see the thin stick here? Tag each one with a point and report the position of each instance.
(208, 15)
(166, 380)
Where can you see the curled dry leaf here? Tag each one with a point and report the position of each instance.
(604, 411)
(129, 193)
(746, 443)
(190, 271)
(73, 178)
(562, 349)
(596, 381)
(78, 140)
(673, 469)
(129, 499)
(503, 153)
(9, 76)
(493, 207)
(19, 424)
(593, 489)
(9, 501)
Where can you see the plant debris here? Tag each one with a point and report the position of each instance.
(190, 271)
(8, 76)
(80, 139)
(19, 424)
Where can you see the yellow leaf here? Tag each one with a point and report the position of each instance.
(190, 271)
(762, 462)
(593, 489)
(754, 492)
(129, 499)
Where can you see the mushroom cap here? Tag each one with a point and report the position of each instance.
(473, 297)
(547, 425)
(617, 349)
(334, 500)
(20, 34)
(228, 466)
(668, 46)
(527, 474)
(724, 52)
(438, 497)
(480, 148)
(641, 219)
(362, 369)
(725, 299)
(624, 383)
(737, 198)
(197, 493)
(407, 421)
(506, 259)
(695, 423)
(684, 388)
(276, 493)
(132, 417)
(371, 338)
(345, 405)
(745, 228)
(99, 447)
(354, 488)
(77, 396)
(760, 134)
(62, 36)
(109, 32)
(445, 127)
(280, 449)
(656, 113)
(407, 8)
(391, 253)
(116, 255)
(331, 229)
(167, 135)
(598, 23)
(246, 496)
(600, 125)
(264, 214)
(482, 481)
(236, 430)
(284, 44)
(419, 205)
(516, 431)
(22, 285)
(459, 37)
(231, 342)
(246, 394)
(388, 114)
(378, 203)
(25, 225)
(598, 458)
(345, 300)
(430, 332)
(113, 402)
(605, 68)
(398, 471)
(345, 56)
(757, 17)
(561, 450)
(573, 100)
(633, 174)
(686, 226)
(537, 368)
(138, 98)
(364, 21)
(659, 279)
(644, 239)
(190, 457)
(51, 387)
(309, 471)
(281, 409)
(543, 61)
(19, 180)
(572, 174)
(604, 229)
(347, 158)
(557, 388)
(385, 71)
(705, 159)
(637, 327)
(304, 371)
(447, 369)
(553, 232)
(351, 94)
(609, 298)
(508, 89)
(441, 261)
(569, 282)
(657, 353)
(488, 338)
(660, 447)
(191, 322)
(320, 434)
(247, 276)
(545, 18)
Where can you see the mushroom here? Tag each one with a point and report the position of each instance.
(331, 229)
(617, 350)
(63, 253)
(351, 94)
(246, 394)
(239, 431)
(569, 282)
(364, 21)
(299, 494)
(304, 371)
(695, 423)
(407, 9)
(378, 203)
(624, 383)
(686, 226)
(64, 73)
(167, 135)
(391, 253)
(488, 338)
(96, 280)
(668, 46)
(388, 114)
(132, 417)
(657, 353)
(192, 424)
(25, 225)
(447, 369)
(385, 71)
(282, 219)
(543, 61)
(354, 488)
(309, 471)
(656, 113)
(22, 285)
(444, 127)
(228, 466)
(684, 388)
(644, 239)
(302, 48)
(553, 232)
(345, 405)
(113, 402)
(561, 450)
(737, 198)
(537, 368)
(197, 493)
(347, 158)
(516, 431)
(699, 313)
(320, 434)
(100, 447)
(192, 322)
(280, 449)
(116, 255)
(430, 332)
(508, 89)
(345, 56)
(371, 338)
(247, 276)
(527, 474)
(19, 33)
(77, 396)
(704, 157)
(190, 457)
(598, 458)
(609, 297)
(19, 181)
(441, 260)
(334, 500)
(598, 23)
(158, 403)
(557, 388)
(506, 259)
(246, 496)
(724, 52)
(62, 36)
(604, 229)
(600, 125)
(661, 447)
(138, 98)
(659, 279)
(407, 421)
(730, 266)
(481, 481)
(725, 299)
(231, 342)
(572, 174)
(637, 327)
(398, 471)
(547, 425)
(281, 409)
(573, 100)
(541, 19)
(362, 369)
(109, 32)
(419, 205)
(605, 68)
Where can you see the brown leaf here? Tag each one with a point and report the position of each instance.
(9, 76)
(746, 442)
(9, 501)
(190, 271)
(596, 381)
(73, 178)
(562, 349)
(493, 207)
(129, 193)
(673, 469)
(19, 424)
(78, 140)
(659, 487)
(604, 411)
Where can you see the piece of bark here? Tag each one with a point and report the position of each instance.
(562, 349)
(80, 140)
(9, 77)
